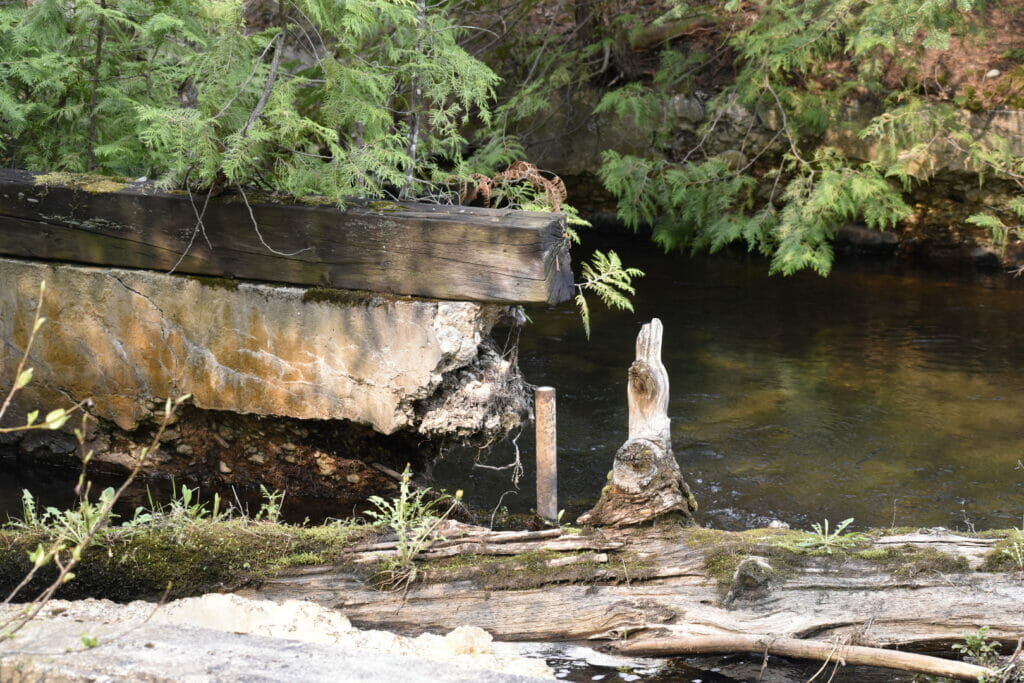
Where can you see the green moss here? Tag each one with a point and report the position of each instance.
(724, 550)
(532, 570)
(316, 200)
(83, 181)
(1007, 555)
(190, 559)
(908, 562)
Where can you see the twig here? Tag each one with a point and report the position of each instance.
(28, 347)
(268, 87)
(802, 649)
(495, 511)
(200, 226)
(245, 84)
(256, 227)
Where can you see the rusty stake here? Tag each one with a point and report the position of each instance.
(547, 454)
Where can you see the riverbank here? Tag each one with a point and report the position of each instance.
(226, 637)
(564, 584)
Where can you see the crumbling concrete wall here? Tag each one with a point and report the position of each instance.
(125, 338)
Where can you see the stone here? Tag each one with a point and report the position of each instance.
(993, 73)
(223, 467)
(129, 339)
(863, 240)
(469, 640)
(688, 108)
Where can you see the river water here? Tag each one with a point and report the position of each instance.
(893, 397)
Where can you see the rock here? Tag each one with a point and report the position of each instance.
(985, 258)
(751, 580)
(469, 640)
(688, 108)
(42, 443)
(223, 467)
(574, 137)
(129, 338)
(860, 239)
(734, 159)
(993, 73)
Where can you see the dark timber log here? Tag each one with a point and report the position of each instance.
(445, 252)
(670, 588)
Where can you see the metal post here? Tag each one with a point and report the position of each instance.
(547, 454)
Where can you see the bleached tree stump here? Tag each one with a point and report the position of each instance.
(645, 482)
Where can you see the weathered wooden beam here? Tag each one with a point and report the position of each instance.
(445, 252)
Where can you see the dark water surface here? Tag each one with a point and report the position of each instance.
(890, 397)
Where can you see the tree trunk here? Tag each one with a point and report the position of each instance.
(675, 582)
(645, 482)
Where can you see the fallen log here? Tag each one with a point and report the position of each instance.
(682, 582)
(446, 252)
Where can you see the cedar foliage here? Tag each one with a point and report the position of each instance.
(364, 97)
(334, 98)
(802, 64)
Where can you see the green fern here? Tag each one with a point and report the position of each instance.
(605, 276)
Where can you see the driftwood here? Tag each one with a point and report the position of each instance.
(460, 253)
(666, 585)
(805, 649)
(645, 481)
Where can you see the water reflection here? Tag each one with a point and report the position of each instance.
(892, 397)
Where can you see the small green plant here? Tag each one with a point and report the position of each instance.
(1016, 553)
(89, 641)
(824, 540)
(270, 509)
(978, 647)
(414, 518)
(183, 509)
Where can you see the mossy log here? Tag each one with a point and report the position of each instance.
(878, 589)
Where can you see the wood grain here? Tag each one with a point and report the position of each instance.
(444, 252)
(656, 583)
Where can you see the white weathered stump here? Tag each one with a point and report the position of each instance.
(645, 482)
(547, 454)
